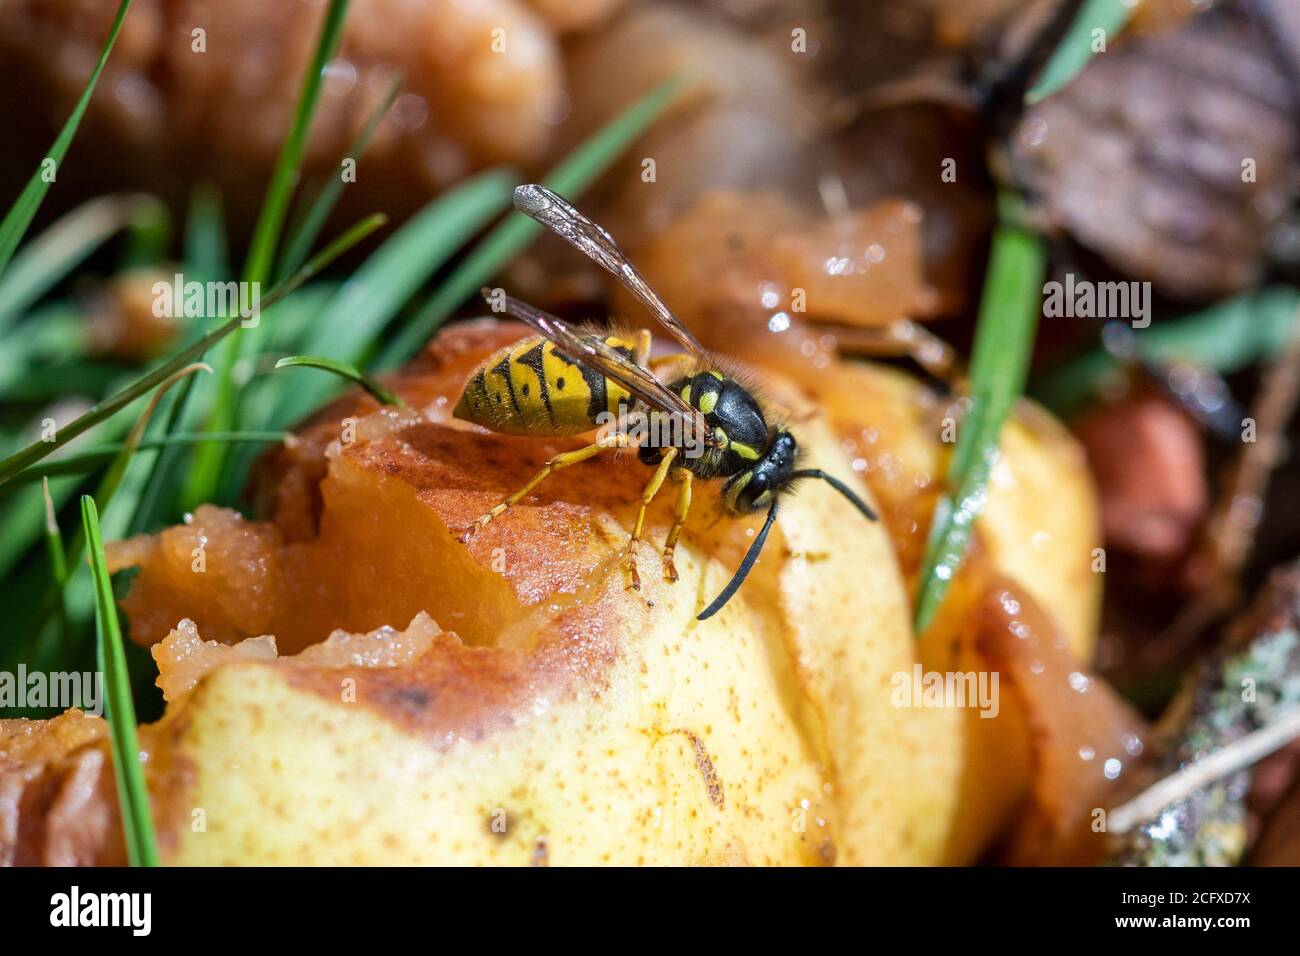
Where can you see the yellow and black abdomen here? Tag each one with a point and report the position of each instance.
(531, 389)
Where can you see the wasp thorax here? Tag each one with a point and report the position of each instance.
(737, 431)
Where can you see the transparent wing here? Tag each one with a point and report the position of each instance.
(590, 350)
(556, 214)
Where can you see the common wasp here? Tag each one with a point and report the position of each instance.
(569, 381)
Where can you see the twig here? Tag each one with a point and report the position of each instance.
(1236, 756)
(1231, 529)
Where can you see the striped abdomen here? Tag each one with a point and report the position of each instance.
(531, 389)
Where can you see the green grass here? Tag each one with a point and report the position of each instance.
(351, 325)
(147, 435)
(148, 234)
(132, 795)
(112, 479)
(57, 251)
(284, 178)
(46, 357)
(302, 237)
(1075, 49)
(19, 217)
(211, 458)
(86, 462)
(204, 257)
(22, 511)
(58, 559)
(40, 449)
(346, 371)
(1004, 341)
(1225, 337)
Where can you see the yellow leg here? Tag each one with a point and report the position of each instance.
(684, 478)
(647, 496)
(562, 460)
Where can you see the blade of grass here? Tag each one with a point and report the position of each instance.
(391, 275)
(205, 234)
(53, 537)
(204, 257)
(52, 255)
(112, 479)
(303, 236)
(132, 796)
(48, 383)
(58, 561)
(1226, 337)
(40, 449)
(210, 459)
(161, 482)
(148, 235)
(356, 318)
(1076, 47)
(26, 620)
(346, 370)
(108, 486)
(284, 178)
(22, 516)
(54, 334)
(577, 171)
(21, 213)
(1004, 339)
(92, 460)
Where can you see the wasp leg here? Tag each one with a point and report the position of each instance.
(684, 477)
(562, 460)
(647, 496)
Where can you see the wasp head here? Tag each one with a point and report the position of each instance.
(753, 489)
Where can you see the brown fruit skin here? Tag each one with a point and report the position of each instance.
(1154, 495)
(1184, 178)
(595, 724)
(166, 115)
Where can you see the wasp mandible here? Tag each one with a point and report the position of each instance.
(568, 381)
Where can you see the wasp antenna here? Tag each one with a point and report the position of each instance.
(742, 572)
(839, 486)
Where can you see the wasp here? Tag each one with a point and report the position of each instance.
(567, 380)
